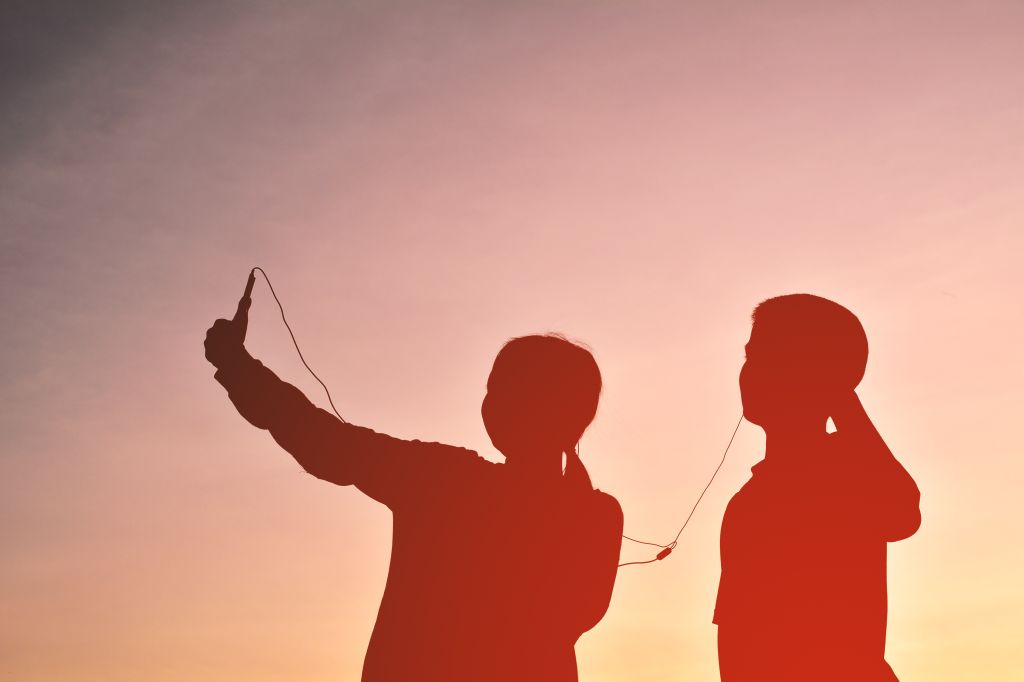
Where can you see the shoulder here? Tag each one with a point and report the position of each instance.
(749, 488)
(420, 454)
(605, 507)
(745, 500)
(453, 467)
(447, 456)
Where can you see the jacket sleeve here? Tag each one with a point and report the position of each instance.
(889, 498)
(390, 470)
(884, 499)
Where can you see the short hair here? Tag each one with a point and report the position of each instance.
(827, 332)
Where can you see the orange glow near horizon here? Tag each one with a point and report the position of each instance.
(423, 184)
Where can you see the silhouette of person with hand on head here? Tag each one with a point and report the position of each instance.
(496, 569)
(803, 588)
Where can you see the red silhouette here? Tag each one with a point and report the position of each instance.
(496, 569)
(803, 588)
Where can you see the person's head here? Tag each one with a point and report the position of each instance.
(803, 350)
(541, 396)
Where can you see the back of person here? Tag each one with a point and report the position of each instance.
(504, 592)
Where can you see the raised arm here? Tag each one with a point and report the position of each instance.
(316, 438)
(387, 469)
(891, 498)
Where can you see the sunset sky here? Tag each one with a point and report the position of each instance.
(422, 181)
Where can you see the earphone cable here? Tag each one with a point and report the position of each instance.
(296, 344)
(667, 549)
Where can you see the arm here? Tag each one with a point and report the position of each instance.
(387, 469)
(590, 583)
(891, 497)
(317, 440)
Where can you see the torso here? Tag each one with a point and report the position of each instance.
(799, 574)
(473, 588)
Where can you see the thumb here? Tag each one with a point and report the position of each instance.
(241, 319)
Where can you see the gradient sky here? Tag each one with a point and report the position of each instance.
(424, 180)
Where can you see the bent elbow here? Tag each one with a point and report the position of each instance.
(591, 615)
(907, 524)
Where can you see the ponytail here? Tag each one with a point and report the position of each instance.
(575, 474)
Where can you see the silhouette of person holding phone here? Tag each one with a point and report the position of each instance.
(496, 569)
(803, 545)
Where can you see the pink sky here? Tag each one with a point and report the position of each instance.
(422, 182)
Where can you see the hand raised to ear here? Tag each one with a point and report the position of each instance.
(846, 410)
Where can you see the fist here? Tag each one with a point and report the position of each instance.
(224, 343)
